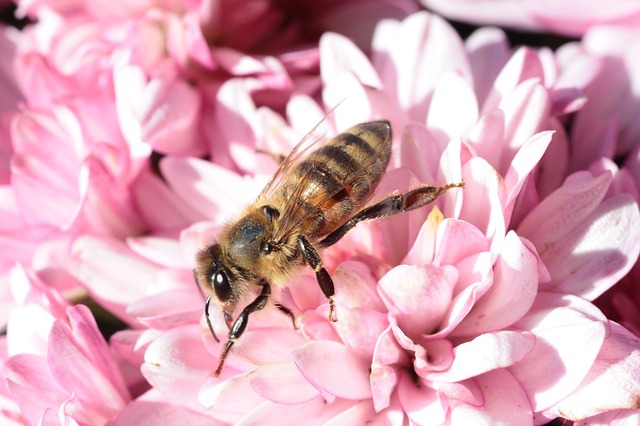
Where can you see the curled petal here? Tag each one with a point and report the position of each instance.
(333, 369)
(282, 383)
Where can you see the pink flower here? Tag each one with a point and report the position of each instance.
(148, 126)
(59, 367)
(562, 17)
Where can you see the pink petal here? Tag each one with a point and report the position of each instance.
(523, 65)
(613, 383)
(195, 180)
(268, 382)
(168, 309)
(388, 357)
(523, 163)
(163, 250)
(229, 400)
(409, 289)
(333, 369)
(420, 151)
(488, 52)
(570, 333)
(355, 287)
(316, 411)
(566, 234)
(360, 328)
(268, 345)
(422, 48)
(141, 411)
(364, 413)
(515, 285)
(452, 119)
(339, 55)
(177, 363)
(32, 386)
(420, 402)
(451, 232)
(526, 111)
(484, 194)
(505, 402)
(161, 208)
(486, 137)
(487, 352)
(113, 274)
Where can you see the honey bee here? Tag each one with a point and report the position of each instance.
(314, 198)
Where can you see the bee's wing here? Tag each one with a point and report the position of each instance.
(308, 194)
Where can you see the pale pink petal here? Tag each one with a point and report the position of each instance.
(505, 402)
(515, 285)
(316, 411)
(487, 352)
(421, 49)
(95, 378)
(164, 250)
(176, 364)
(450, 233)
(612, 382)
(488, 50)
(359, 329)
(142, 411)
(355, 287)
(339, 55)
(387, 358)
(364, 413)
(113, 274)
(268, 345)
(229, 400)
(333, 369)
(483, 200)
(197, 181)
(420, 151)
(569, 335)
(32, 386)
(408, 289)
(486, 137)
(168, 309)
(451, 119)
(573, 222)
(168, 111)
(526, 112)
(234, 107)
(521, 166)
(523, 65)
(268, 382)
(420, 402)
(466, 391)
(159, 207)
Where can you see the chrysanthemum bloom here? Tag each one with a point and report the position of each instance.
(474, 310)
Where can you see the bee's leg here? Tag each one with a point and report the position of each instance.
(389, 206)
(240, 324)
(287, 312)
(312, 258)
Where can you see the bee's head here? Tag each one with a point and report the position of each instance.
(214, 275)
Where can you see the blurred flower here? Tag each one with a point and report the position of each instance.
(563, 17)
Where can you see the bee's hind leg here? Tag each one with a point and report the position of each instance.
(389, 206)
(240, 324)
(312, 258)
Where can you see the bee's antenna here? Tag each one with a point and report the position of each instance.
(206, 315)
(206, 306)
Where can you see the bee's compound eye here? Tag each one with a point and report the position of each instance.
(221, 285)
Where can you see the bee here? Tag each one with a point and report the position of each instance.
(316, 196)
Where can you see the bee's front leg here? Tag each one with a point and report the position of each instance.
(312, 258)
(240, 324)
